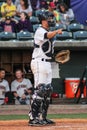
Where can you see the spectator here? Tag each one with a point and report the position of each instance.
(35, 4)
(8, 24)
(24, 7)
(8, 9)
(17, 2)
(57, 2)
(67, 2)
(24, 23)
(43, 4)
(51, 8)
(21, 88)
(66, 15)
(4, 86)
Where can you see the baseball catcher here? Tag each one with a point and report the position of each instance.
(41, 68)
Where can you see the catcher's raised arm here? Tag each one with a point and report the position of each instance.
(62, 56)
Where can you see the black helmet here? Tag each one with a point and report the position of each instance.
(46, 15)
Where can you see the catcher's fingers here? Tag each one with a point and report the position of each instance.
(62, 56)
(59, 31)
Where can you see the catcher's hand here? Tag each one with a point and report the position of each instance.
(62, 56)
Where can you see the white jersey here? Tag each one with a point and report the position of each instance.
(40, 40)
(19, 87)
(4, 87)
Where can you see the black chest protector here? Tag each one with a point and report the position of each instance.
(48, 48)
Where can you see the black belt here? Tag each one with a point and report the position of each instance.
(1, 98)
(47, 60)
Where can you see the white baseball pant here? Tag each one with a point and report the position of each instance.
(42, 72)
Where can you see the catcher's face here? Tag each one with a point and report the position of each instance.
(45, 24)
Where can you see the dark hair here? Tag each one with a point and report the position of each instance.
(26, 4)
(2, 69)
(18, 69)
(26, 15)
(63, 5)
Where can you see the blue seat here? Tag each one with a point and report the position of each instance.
(58, 26)
(34, 20)
(24, 35)
(80, 35)
(35, 27)
(38, 12)
(75, 27)
(7, 36)
(61, 26)
(65, 35)
(1, 29)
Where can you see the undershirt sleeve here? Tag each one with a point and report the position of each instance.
(45, 36)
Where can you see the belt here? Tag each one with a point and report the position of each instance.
(47, 60)
(1, 98)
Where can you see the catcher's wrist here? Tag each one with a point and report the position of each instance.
(18, 97)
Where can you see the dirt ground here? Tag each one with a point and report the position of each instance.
(61, 124)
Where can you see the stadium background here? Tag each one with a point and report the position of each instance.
(74, 68)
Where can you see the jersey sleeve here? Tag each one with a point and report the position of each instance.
(13, 87)
(40, 33)
(29, 84)
(7, 87)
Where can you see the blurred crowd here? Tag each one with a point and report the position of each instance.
(16, 15)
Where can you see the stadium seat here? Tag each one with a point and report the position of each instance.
(60, 26)
(1, 29)
(35, 27)
(34, 20)
(7, 36)
(65, 35)
(75, 27)
(80, 35)
(24, 36)
(38, 12)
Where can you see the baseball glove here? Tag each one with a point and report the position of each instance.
(62, 56)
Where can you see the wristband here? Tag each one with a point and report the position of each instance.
(25, 92)
(18, 97)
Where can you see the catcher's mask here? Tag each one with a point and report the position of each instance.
(47, 16)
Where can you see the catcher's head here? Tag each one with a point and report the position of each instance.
(47, 18)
